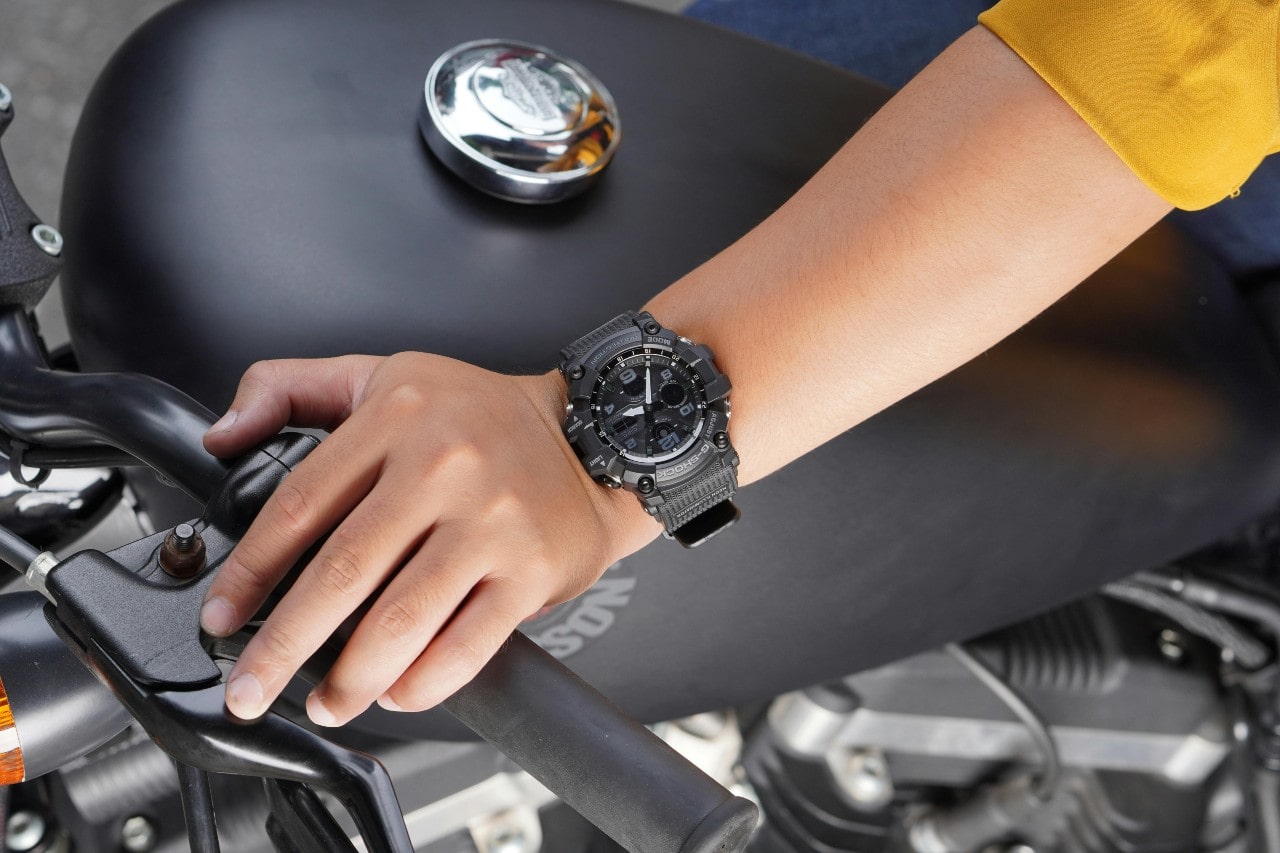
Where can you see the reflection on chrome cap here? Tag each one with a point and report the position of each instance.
(518, 121)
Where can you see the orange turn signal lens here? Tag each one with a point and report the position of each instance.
(11, 768)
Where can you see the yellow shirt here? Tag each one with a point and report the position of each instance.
(1185, 91)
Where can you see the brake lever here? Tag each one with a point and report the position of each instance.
(138, 629)
(187, 716)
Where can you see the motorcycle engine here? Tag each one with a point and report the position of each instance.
(886, 759)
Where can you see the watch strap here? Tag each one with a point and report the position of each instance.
(588, 342)
(683, 504)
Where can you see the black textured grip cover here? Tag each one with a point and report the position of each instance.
(615, 772)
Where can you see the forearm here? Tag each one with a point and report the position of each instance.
(973, 200)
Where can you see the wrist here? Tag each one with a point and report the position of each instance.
(627, 527)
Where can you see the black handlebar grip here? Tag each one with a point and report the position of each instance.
(612, 770)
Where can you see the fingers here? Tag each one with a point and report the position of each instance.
(308, 503)
(471, 638)
(294, 392)
(400, 624)
(357, 558)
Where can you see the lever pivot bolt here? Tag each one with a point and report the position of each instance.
(183, 554)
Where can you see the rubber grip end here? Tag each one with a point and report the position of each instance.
(727, 829)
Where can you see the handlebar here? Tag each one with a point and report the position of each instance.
(148, 419)
(621, 776)
(614, 771)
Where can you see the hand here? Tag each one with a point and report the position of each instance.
(456, 506)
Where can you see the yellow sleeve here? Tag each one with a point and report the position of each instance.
(1184, 91)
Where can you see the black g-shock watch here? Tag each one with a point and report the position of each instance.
(649, 412)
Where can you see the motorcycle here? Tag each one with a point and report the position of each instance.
(1088, 506)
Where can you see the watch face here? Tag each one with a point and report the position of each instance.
(648, 404)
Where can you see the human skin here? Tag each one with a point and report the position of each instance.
(973, 200)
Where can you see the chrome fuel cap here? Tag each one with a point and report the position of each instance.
(518, 121)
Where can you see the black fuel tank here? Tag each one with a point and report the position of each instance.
(248, 182)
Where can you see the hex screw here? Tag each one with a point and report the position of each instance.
(48, 238)
(645, 485)
(652, 328)
(721, 440)
(6, 98)
(183, 553)
(576, 372)
(138, 835)
(24, 831)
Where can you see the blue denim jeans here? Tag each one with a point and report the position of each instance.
(891, 40)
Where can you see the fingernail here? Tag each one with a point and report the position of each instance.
(218, 617)
(319, 714)
(226, 422)
(385, 701)
(244, 696)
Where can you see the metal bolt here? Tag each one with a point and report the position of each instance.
(24, 831)
(138, 835)
(6, 98)
(721, 440)
(865, 778)
(182, 554)
(576, 372)
(184, 537)
(1172, 647)
(645, 485)
(47, 238)
(652, 328)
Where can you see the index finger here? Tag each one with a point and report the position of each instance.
(318, 392)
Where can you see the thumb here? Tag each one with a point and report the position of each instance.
(289, 392)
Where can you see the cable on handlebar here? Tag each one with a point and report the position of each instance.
(89, 456)
(16, 551)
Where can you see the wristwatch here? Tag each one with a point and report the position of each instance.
(649, 412)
